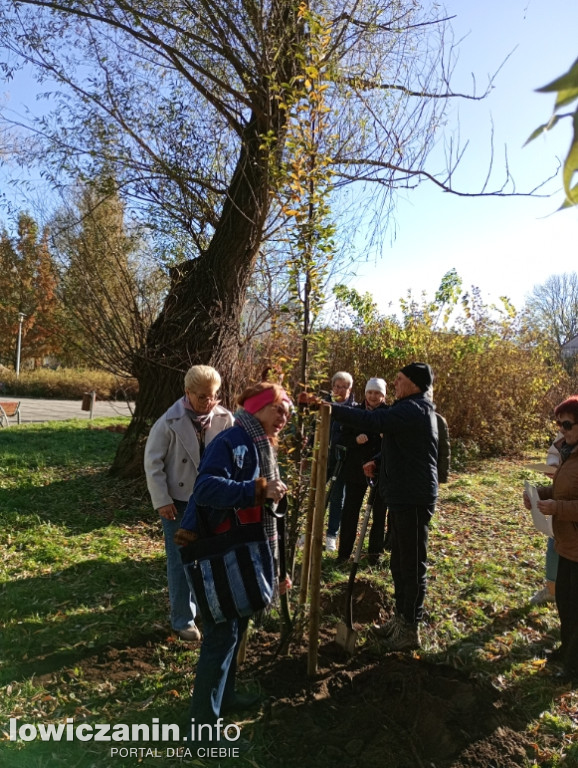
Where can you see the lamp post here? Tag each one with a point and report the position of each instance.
(21, 317)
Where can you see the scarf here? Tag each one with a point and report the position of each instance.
(268, 466)
(201, 422)
(565, 450)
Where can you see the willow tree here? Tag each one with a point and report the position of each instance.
(188, 102)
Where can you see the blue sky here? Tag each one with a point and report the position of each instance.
(503, 246)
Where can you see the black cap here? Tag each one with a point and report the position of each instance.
(420, 373)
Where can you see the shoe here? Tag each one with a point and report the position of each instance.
(405, 637)
(384, 631)
(330, 543)
(568, 676)
(542, 596)
(556, 656)
(192, 633)
(241, 703)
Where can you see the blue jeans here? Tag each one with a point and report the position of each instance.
(183, 609)
(552, 558)
(216, 668)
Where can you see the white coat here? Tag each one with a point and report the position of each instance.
(172, 453)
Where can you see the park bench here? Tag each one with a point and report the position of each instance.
(9, 409)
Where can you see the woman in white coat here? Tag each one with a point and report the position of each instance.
(173, 451)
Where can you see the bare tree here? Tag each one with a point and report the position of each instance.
(189, 104)
(552, 307)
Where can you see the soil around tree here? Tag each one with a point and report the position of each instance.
(361, 710)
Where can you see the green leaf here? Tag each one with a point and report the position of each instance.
(571, 165)
(566, 82)
(542, 129)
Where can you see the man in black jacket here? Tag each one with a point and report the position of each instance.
(408, 482)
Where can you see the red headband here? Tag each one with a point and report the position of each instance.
(263, 398)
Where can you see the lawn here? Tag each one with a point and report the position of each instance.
(85, 636)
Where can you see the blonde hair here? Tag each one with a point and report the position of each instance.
(201, 375)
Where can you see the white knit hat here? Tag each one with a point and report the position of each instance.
(377, 385)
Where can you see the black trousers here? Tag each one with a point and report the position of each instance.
(409, 526)
(567, 604)
(354, 495)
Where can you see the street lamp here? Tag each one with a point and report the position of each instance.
(21, 317)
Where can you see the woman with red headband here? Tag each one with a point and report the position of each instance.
(239, 469)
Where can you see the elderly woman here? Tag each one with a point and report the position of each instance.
(561, 501)
(239, 470)
(172, 455)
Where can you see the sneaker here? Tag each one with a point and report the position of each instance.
(542, 596)
(405, 637)
(191, 633)
(383, 631)
(330, 543)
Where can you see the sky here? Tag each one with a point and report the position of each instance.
(504, 246)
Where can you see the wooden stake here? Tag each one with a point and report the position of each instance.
(242, 652)
(317, 538)
(306, 559)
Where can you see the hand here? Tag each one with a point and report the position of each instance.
(285, 585)
(369, 469)
(527, 502)
(276, 490)
(169, 512)
(547, 507)
(361, 439)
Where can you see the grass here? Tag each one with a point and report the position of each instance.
(82, 580)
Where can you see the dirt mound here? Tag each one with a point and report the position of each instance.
(376, 709)
(396, 711)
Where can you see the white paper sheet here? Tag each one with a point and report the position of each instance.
(542, 523)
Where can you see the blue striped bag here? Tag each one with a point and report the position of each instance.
(230, 574)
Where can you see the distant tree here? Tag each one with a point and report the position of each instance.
(28, 282)
(111, 290)
(552, 308)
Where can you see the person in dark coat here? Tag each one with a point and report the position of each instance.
(341, 385)
(361, 447)
(408, 480)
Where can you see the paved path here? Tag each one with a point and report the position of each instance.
(37, 410)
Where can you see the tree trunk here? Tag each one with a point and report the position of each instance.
(200, 319)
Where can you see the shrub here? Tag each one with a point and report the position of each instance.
(67, 383)
(495, 385)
